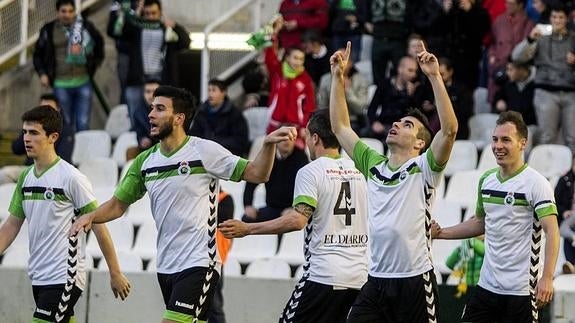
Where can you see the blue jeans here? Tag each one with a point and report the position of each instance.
(138, 110)
(76, 105)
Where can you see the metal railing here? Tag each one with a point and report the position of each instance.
(244, 18)
(20, 22)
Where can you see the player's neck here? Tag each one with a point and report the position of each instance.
(506, 171)
(173, 142)
(398, 156)
(44, 161)
(327, 152)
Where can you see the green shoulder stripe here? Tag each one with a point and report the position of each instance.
(239, 170)
(15, 207)
(131, 187)
(479, 210)
(305, 200)
(365, 158)
(548, 210)
(433, 163)
(88, 208)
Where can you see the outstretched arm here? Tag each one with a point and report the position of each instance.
(471, 228)
(338, 111)
(119, 283)
(445, 137)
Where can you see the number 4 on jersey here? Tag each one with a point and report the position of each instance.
(343, 205)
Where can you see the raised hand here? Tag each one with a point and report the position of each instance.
(427, 61)
(339, 60)
(281, 134)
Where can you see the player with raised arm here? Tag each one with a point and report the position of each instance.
(401, 189)
(515, 204)
(181, 175)
(330, 203)
(49, 194)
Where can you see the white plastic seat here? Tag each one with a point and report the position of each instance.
(146, 241)
(122, 233)
(366, 44)
(462, 187)
(371, 92)
(125, 169)
(101, 172)
(269, 268)
(299, 272)
(6, 192)
(550, 160)
(118, 121)
(236, 191)
(251, 248)
(480, 104)
(487, 159)
(463, 157)
(441, 249)
(364, 67)
(129, 262)
(446, 213)
(104, 193)
(373, 143)
(258, 119)
(16, 257)
(481, 128)
(91, 144)
(152, 267)
(232, 268)
(291, 248)
(125, 140)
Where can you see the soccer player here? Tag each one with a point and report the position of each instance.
(181, 174)
(48, 195)
(514, 204)
(401, 285)
(330, 202)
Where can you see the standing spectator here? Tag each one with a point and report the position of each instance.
(316, 55)
(219, 120)
(292, 95)
(517, 93)
(564, 191)
(300, 15)
(460, 96)
(68, 52)
(347, 18)
(507, 31)
(554, 98)
(152, 42)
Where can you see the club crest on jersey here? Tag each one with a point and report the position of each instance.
(403, 175)
(184, 168)
(509, 199)
(49, 194)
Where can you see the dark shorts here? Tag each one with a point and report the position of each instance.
(47, 298)
(318, 303)
(409, 300)
(484, 306)
(188, 294)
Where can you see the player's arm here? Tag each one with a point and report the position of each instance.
(110, 210)
(119, 283)
(544, 289)
(473, 227)
(290, 220)
(259, 169)
(445, 137)
(338, 110)
(9, 231)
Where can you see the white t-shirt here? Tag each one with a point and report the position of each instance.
(335, 244)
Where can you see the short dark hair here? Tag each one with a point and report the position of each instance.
(152, 80)
(558, 7)
(290, 50)
(49, 97)
(182, 100)
(48, 117)
(515, 118)
(319, 124)
(424, 133)
(312, 36)
(61, 3)
(445, 62)
(219, 83)
(148, 3)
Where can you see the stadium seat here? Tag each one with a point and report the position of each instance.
(487, 159)
(6, 192)
(441, 249)
(480, 104)
(291, 248)
(129, 262)
(371, 92)
(481, 128)
(125, 141)
(366, 45)
(299, 272)
(463, 157)
(125, 169)
(373, 143)
(232, 268)
(236, 191)
(462, 187)
(140, 212)
(446, 213)
(91, 144)
(122, 233)
(16, 257)
(146, 240)
(251, 248)
(258, 119)
(269, 268)
(550, 160)
(101, 172)
(365, 69)
(118, 121)
(104, 193)
(152, 265)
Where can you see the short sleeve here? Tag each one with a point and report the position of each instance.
(543, 199)
(365, 158)
(81, 194)
(15, 207)
(305, 190)
(132, 187)
(220, 162)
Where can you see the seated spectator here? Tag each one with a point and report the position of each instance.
(564, 200)
(461, 98)
(346, 24)
(355, 94)
(255, 90)
(218, 120)
(279, 188)
(316, 55)
(517, 93)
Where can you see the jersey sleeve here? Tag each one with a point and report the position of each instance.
(132, 187)
(430, 169)
(365, 158)
(15, 207)
(81, 194)
(543, 199)
(479, 211)
(305, 190)
(220, 162)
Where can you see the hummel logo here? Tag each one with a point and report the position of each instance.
(184, 305)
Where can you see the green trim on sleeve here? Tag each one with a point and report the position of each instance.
(433, 163)
(88, 207)
(132, 186)
(305, 200)
(37, 320)
(546, 211)
(365, 158)
(239, 170)
(479, 211)
(15, 207)
(179, 317)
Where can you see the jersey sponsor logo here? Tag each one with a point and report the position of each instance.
(45, 312)
(509, 199)
(49, 194)
(345, 240)
(184, 168)
(181, 304)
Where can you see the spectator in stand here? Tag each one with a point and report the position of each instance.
(355, 95)
(279, 187)
(543, 9)
(517, 93)
(143, 129)
(316, 55)
(255, 90)
(554, 98)
(346, 24)
(219, 120)
(292, 95)
(459, 95)
(564, 191)
(300, 15)
(68, 52)
(507, 31)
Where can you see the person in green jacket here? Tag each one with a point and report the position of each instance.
(466, 261)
